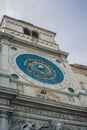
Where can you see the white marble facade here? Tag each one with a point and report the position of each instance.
(14, 43)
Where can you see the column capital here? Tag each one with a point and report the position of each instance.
(4, 118)
(6, 113)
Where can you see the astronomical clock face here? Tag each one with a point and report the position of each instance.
(39, 70)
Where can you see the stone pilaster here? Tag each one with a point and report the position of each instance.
(4, 120)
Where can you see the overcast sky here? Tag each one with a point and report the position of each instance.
(68, 18)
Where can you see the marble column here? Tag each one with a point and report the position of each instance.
(3, 120)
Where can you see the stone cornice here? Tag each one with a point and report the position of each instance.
(80, 69)
(11, 38)
(27, 23)
(49, 109)
(48, 104)
(6, 109)
(8, 92)
(79, 66)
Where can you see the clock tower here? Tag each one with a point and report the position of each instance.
(38, 89)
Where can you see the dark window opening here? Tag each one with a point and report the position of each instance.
(26, 31)
(34, 34)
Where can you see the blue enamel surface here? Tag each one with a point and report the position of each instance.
(14, 48)
(14, 76)
(71, 90)
(41, 69)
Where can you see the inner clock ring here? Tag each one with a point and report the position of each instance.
(39, 68)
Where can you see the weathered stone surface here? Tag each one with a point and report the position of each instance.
(28, 104)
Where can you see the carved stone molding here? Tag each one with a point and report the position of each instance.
(49, 113)
(23, 124)
(4, 101)
(29, 124)
(47, 95)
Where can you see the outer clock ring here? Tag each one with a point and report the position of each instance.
(32, 81)
(39, 68)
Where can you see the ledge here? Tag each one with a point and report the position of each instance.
(8, 92)
(23, 42)
(51, 104)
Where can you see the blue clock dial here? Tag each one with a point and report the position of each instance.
(39, 68)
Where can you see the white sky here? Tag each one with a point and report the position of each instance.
(68, 18)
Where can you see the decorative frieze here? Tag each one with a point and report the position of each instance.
(23, 124)
(52, 114)
(4, 101)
